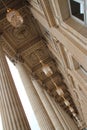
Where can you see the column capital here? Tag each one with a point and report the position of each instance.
(17, 58)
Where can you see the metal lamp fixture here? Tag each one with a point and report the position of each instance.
(45, 68)
(13, 16)
(60, 92)
(74, 114)
(67, 103)
(71, 109)
(58, 89)
(48, 72)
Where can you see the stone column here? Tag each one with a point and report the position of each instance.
(63, 122)
(36, 103)
(66, 121)
(55, 120)
(13, 116)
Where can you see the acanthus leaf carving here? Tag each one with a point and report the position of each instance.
(17, 58)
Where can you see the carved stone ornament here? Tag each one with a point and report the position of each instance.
(17, 58)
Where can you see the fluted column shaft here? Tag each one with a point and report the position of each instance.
(36, 103)
(63, 122)
(55, 120)
(13, 116)
(65, 119)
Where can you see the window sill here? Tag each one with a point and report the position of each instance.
(76, 29)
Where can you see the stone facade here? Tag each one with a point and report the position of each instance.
(49, 36)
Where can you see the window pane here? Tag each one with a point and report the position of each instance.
(77, 8)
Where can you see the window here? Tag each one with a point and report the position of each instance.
(85, 129)
(83, 69)
(77, 8)
(80, 70)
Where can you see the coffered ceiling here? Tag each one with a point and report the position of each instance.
(18, 37)
(26, 41)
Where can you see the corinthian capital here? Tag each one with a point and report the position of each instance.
(17, 58)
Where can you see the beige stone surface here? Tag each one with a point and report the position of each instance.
(59, 40)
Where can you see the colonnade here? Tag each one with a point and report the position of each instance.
(13, 115)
